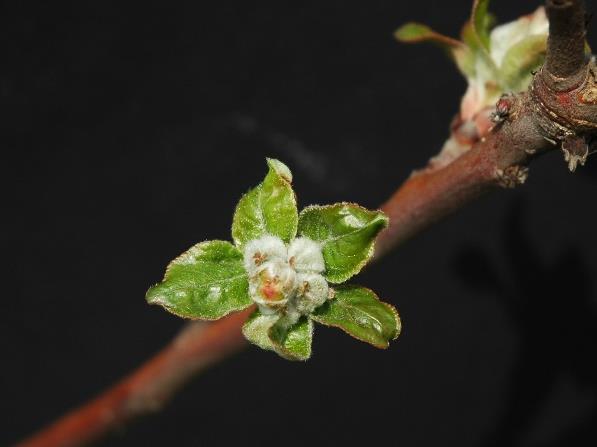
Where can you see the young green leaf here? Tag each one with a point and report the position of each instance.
(346, 233)
(294, 342)
(413, 32)
(465, 60)
(521, 59)
(271, 332)
(358, 312)
(206, 282)
(481, 22)
(269, 208)
(256, 329)
(476, 36)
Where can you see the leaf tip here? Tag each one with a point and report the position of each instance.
(152, 295)
(412, 32)
(280, 169)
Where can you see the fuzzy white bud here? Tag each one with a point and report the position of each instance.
(305, 256)
(259, 251)
(273, 284)
(312, 292)
(286, 281)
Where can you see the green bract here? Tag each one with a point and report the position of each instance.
(283, 264)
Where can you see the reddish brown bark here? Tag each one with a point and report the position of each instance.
(148, 388)
(557, 109)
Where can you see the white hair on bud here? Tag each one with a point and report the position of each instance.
(286, 281)
(312, 292)
(305, 255)
(261, 250)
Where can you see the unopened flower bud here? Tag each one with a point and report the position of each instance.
(273, 283)
(312, 292)
(259, 251)
(305, 256)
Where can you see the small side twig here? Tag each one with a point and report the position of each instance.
(566, 44)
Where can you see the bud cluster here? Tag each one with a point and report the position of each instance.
(286, 280)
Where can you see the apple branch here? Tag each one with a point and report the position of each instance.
(558, 111)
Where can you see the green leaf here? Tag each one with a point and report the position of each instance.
(476, 59)
(269, 208)
(256, 329)
(520, 60)
(413, 32)
(469, 37)
(346, 233)
(465, 61)
(273, 333)
(206, 282)
(475, 35)
(294, 342)
(358, 312)
(481, 22)
(416, 32)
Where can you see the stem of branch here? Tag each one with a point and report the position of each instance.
(499, 159)
(147, 389)
(559, 108)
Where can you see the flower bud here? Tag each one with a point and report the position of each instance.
(312, 292)
(273, 283)
(259, 251)
(304, 255)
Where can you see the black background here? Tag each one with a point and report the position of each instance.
(133, 128)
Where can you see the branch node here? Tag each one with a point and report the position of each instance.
(566, 107)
